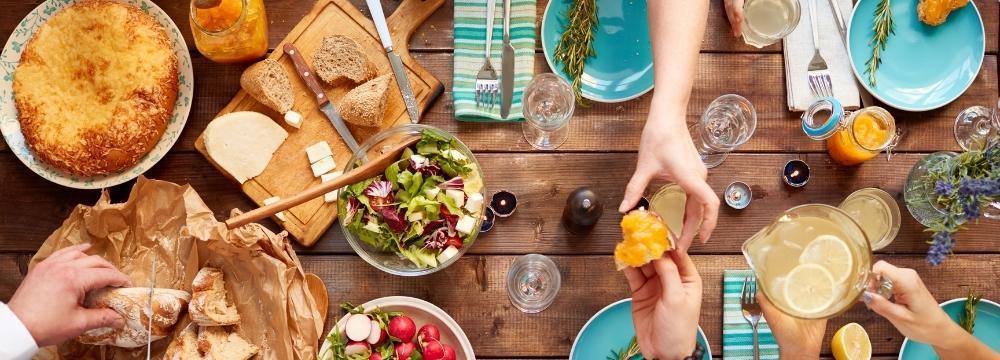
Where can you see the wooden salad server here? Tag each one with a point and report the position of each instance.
(367, 170)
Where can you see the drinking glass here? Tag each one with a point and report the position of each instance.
(533, 281)
(548, 104)
(918, 193)
(876, 212)
(975, 128)
(767, 21)
(728, 122)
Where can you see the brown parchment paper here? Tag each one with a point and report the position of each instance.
(171, 225)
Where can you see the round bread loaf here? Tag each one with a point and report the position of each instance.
(96, 87)
(133, 305)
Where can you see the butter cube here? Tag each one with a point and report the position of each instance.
(318, 151)
(323, 166)
(293, 119)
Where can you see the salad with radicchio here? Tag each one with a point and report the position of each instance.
(426, 207)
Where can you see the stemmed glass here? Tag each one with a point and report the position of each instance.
(548, 104)
(728, 122)
(975, 127)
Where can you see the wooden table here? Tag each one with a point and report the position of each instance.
(600, 153)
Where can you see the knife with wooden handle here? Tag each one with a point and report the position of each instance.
(507, 65)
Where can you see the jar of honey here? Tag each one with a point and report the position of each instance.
(229, 31)
(851, 137)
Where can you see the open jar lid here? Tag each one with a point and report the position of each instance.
(822, 119)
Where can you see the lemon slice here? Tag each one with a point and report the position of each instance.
(832, 253)
(809, 289)
(851, 343)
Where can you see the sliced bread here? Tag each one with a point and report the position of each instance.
(219, 344)
(340, 60)
(210, 306)
(267, 82)
(365, 105)
(185, 345)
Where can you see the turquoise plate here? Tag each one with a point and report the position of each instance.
(611, 329)
(923, 67)
(987, 329)
(622, 69)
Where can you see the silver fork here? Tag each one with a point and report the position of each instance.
(751, 310)
(819, 74)
(487, 88)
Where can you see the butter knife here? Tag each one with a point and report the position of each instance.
(397, 64)
(506, 65)
(324, 103)
(149, 328)
(866, 97)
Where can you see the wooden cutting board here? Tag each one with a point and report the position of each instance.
(288, 173)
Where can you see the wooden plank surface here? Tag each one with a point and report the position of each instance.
(542, 183)
(497, 329)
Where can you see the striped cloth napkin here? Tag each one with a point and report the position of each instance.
(470, 45)
(737, 336)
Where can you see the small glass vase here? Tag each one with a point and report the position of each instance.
(919, 195)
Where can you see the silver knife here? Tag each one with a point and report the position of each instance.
(506, 65)
(149, 328)
(397, 64)
(324, 103)
(866, 98)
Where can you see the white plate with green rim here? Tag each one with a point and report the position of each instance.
(11, 127)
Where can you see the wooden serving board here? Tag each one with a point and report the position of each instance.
(289, 172)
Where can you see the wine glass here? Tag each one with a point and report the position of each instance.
(975, 128)
(728, 122)
(548, 104)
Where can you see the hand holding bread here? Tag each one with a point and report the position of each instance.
(48, 301)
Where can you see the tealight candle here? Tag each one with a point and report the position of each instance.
(795, 173)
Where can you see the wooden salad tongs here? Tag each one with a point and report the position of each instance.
(369, 169)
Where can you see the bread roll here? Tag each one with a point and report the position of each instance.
(365, 105)
(209, 304)
(185, 345)
(218, 344)
(133, 305)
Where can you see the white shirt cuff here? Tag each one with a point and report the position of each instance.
(16, 342)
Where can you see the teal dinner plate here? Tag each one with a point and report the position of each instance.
(923, 67)
(611, 329)
(987, 329)
(622, 69)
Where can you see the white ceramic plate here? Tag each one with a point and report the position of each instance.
(421, 312)
(11, 127)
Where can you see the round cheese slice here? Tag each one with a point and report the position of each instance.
(242, 143)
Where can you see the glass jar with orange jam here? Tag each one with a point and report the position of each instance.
(851, 137)
(229, 31)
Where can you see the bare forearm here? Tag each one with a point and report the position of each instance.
(960, 345)
(676, 28)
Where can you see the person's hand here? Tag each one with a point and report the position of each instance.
(666, 305)
(796, 338)
(48, 301)
(915, 313)
(667, 152)
(734, 11)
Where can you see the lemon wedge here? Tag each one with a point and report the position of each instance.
(809, 289)
(851, 342)
(832, 253)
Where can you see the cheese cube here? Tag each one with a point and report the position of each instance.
(432, 193)
(465, 224)
(293, 119)
(455, 155)
(475, 203)
(417, 216)
(323, 166)
(457, 195)
(418, 159)
(373, 227)
(447, 254)
(318, 151)
(281, 216)
(271, 200)
(330, 196)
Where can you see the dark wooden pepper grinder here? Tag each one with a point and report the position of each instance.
(583, 210)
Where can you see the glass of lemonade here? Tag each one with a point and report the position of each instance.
(877, 213)
(767, 21)
(669, 203)
(812, 262)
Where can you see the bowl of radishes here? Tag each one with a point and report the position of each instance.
(396, 328)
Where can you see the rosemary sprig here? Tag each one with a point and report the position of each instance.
(883, 28)
(576, 44)
(969, 314)
(626, 353)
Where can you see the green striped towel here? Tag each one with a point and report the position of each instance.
(737, 336)
(470, 45)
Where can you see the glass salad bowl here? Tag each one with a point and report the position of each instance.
(409, 230)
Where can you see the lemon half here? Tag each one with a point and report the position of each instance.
(851, 343)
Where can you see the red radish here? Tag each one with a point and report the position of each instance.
(358, 327)
(356, 347)
(375, 356)
(377, 335)
(433, 350)
(404, 350)
(427, 333)
(449, 353)
(402, 328)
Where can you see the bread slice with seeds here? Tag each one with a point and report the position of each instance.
(267, 82)
(365, 105)
(340, 60)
